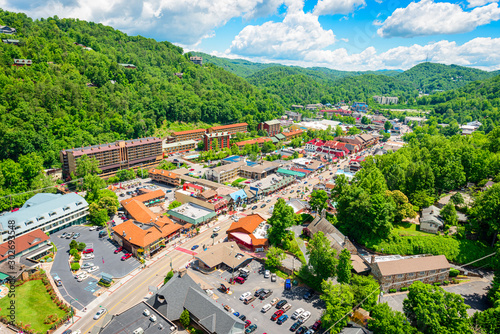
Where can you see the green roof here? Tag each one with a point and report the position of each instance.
(3, 276)
(280, 136)
(290, 172)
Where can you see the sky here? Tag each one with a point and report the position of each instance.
(338, 34)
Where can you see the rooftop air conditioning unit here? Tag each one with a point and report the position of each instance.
(138, 331)
(146, 312)
(153, 318)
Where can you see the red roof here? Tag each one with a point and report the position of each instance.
(23, 243)
(292, 133)
(179, 133)
(306, 171)
(229, 126)
(260, 140)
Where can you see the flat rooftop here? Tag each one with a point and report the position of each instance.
(192, 210)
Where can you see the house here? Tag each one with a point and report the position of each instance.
(299, 206)
(403, 272)
(336, 238)
(11, 41)
(23, 62)
(130, 66)
(430, 221)
(313, 106)
(222, 256)
(297, 106)
(294, 116)
(271, 127)
(181, 293)
(7, 30)
(488, 184)
(32, 246)
(249, 232)
(386, 99)
(197, 60)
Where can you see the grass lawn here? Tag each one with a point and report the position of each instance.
(409, 229)
(33, 305)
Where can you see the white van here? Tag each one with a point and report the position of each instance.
(245, 271)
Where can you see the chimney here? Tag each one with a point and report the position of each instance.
(124, 234)
(372, 259)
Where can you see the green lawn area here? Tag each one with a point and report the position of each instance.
(33, 305)
(409, 229)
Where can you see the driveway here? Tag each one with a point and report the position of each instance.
(474, 294)
(253, 310)
(82, 293)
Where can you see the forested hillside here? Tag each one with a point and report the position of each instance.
(429, 77)
(71, 96)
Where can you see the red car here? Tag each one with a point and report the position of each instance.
(88, 251)
(316, 325)
(126, 256)
(118, 250)
(277, 314)
(247, 323)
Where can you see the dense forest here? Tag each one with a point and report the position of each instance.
(72, 96)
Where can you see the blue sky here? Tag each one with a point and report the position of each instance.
(339, 34)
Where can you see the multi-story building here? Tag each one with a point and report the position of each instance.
(259, 141)
(258, 171)
(32, 246)
(359, 106)
(196, 135)
(231, 128)
(197, 60)
(402, 273)
(386, 99)
(294, 116)
(164, 176)
(271, 127)
(122, 154)
(216, 139)
(48, 212)
(225, 173)
(207, 198)
(180, 146)
(293, 134)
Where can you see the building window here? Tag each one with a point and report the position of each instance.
(432, 272)
(422, 273)
(400, 275)
(411, 274)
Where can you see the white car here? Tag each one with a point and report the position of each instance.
(304, 316)
(267, 274)
(266, 308)
(92, 228)
(82, 276)
(99, 313)
(87, 265)
(92, 269)
(88, 256)
(297, 312)
(245, 295)
(217, 229)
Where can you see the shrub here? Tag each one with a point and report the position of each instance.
(170, 274)
(404, 288)
(104, 284)
(81, 246)
(454, 272)
(184, 318)
(454, 281)
(437, 283)
(392, 290)
(73, 251)
(73, 244)
(446, 282)
(75, 266)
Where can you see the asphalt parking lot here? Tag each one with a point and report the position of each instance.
(82, 293)
(252, 311)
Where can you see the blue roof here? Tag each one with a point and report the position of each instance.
(40, 209)
(251, 163)
(240, 194)
(233, 158)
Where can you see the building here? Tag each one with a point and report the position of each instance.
(181, 293)
(271, 184)
(231, 128)
(293, 134)
(197, 60)
(178, 147)
(164, 176)
(430, 220)
(225, 173)
(148, 198)
(258, 171)
(216, 139)
(338, 112)
(7, 30)
(360, 107)
(355, 164)
(144, 239)
(271, 127)
(386, 99)
(190, 213)
(222, 256)
(23, 62)
(418, 120)
(298, 206)
(250, 232)
(32, 245)
(11, 41)
(48, 212)
(129, 66)
(336, 238)
(294, 116)
(335, 148)
(196, 135)
(259, 141)
(313, 106)
(122, 154)
(402, 273)
(297, 106)
(207, 198)
(287, 172)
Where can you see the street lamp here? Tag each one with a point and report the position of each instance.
(172, 269)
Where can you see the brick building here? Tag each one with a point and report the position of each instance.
(180, 146)
(164, 176)
(230, 128)
(222, 138)
(271, 127)
(259, 141)
(196, 135)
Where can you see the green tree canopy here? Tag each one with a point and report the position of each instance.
(274, 257)
(322, 257)
(281, 219)
(344, 267)
(385, 320)
(318, 201)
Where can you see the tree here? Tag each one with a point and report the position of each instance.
(344, 267)
(92, 184)
(322, 257)
(433, 310)
(385, 320)
(98, 215)
(338, 131)
(282, 218)
(73, 251)
(235, 150)
(457, 198)
(487, 321)
(110, 204)
(486, 212)
(73, 244)
(174, 204)
(318, 201)
(449, 215)
(387, 125)
(87, 166)
(185, 319)
(274, 257)
(338, 303)
(200, 145)
(404, 209)
(365, 120)
(353, 131)
(167, 278)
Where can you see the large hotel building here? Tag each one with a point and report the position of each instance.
(122, 154)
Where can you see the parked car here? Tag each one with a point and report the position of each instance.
(91, 228)
(126, 256)
(251, 329)
(286, 307)
(99, 228)
(277, 314)
(64, 235)
(247, 323)
(118, 250)
(68, 331)
(266, 293)
(281, 303)
(216, 229)
(87, 265)
(273, 277)
(309, 294)
(243, 317)
(214, 235)
(88, 251)
(301, 330)
(76, 236)
(92, 269)
(282, 319)
(274, 301)
(194, 247)
(310, 331)
(82, 277)
(250, 299)
(227, 308)
(103, 234)
(304, 316)
(244, 276)
(70, 235)
(297, 312)
(295, 325)
(245, 295)
(316, 325)
(99, 313)
(89, 256)
(267, 274)
(239, 279)
(237, 314)
(266, 308)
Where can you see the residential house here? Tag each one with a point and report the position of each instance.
(128, 66)
(430, 220)
(11, 41)
(23, 62)
(249, 232)
(7, 30)
(197, 60)
(402, 273)
(336, 238)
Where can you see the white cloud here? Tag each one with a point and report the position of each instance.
(182, 21)
(298, 32)
(430, 18)
(331, 7)
(478, 3)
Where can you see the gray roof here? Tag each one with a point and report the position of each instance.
(184, 293)
(42, 208)
(431, 215)
(337, 239)
(133, 318)
(273, 122)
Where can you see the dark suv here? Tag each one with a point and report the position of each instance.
(258, 292)
(266, 293)
(309, 294)
(281, 303)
